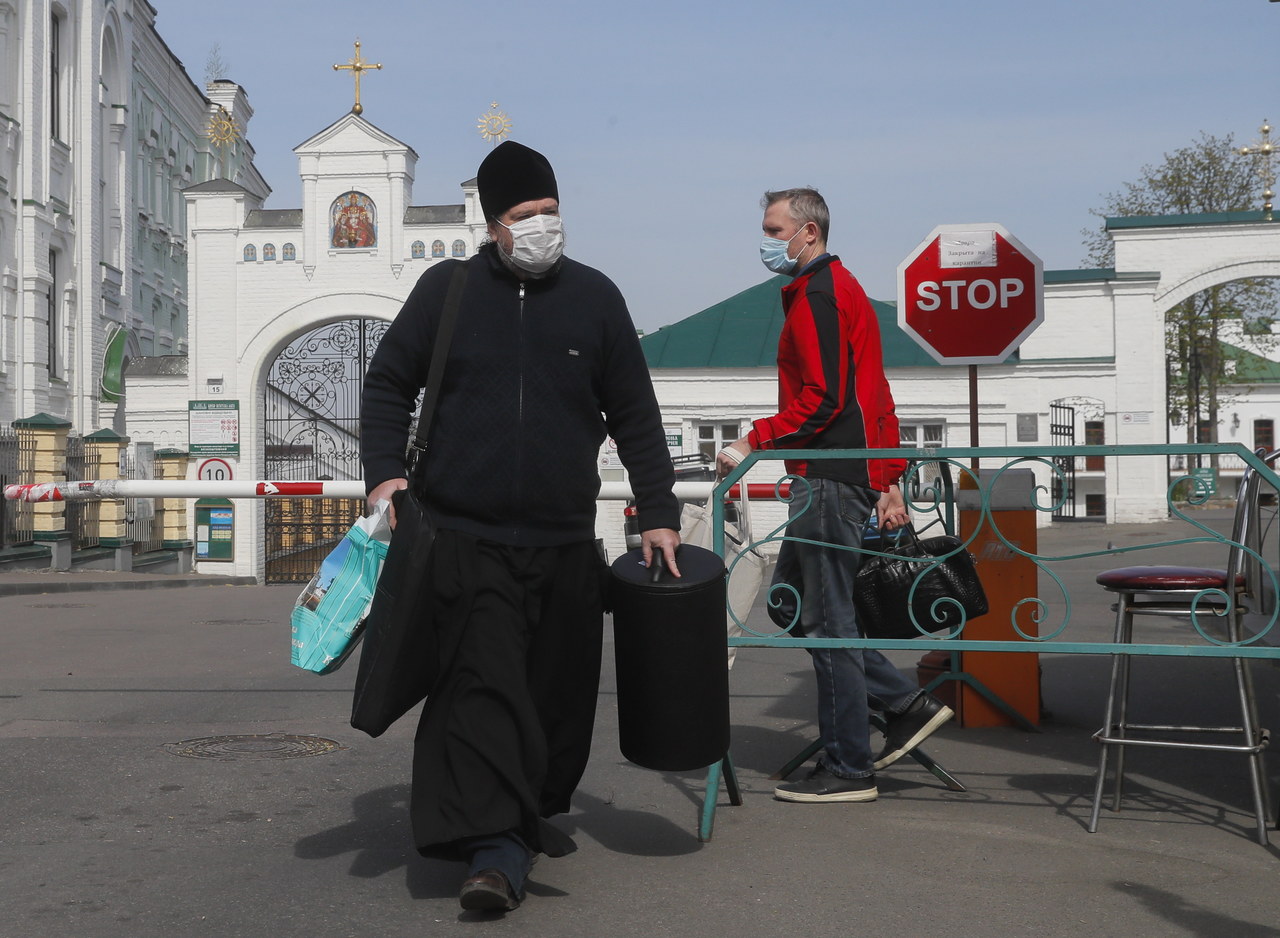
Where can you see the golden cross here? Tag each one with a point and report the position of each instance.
(1266, 150)
(356, 66)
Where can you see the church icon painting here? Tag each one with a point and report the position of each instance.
(353, 221)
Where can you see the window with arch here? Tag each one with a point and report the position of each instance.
(417, 250)
(53, 322)
(289, 252)
(353, 221)
(459, 248)
(4, 333)
(250, 252)
(268, 251)
(8, 56)
(437, 249)
(58, 82)
(111, 147)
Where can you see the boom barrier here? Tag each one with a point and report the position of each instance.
(106, 489)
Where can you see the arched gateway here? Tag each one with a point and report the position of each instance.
(283, 339)
(311, 430)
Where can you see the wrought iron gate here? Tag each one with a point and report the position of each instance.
(1062, 432)
(312, 431)
(17, 464)
(82, 517)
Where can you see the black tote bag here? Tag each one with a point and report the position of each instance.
(882, 588)
(398, 660)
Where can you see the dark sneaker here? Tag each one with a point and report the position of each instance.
(908, 730)
(821, 787)
(488, 891)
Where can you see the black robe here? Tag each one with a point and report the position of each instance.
(506, 730)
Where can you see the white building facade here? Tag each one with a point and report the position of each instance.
(287, 306)
(100, 130)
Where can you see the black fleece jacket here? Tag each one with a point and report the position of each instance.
(537, 373)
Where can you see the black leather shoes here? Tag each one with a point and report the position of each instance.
(908, 730)
(488, 891)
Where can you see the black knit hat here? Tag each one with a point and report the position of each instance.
(512, 173)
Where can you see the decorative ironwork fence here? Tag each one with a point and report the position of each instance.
(139, 462)
(83, 463)
(312, 423)
(1040, 623)
(1062, 432)
(17, 464)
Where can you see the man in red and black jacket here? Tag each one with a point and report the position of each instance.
(833, 394)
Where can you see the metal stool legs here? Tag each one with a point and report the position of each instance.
(1117, 730)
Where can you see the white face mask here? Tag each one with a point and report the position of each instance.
(536, 242)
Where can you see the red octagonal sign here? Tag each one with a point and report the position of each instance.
(970, 294)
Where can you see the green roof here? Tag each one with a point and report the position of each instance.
(742, 332)
(1251, 368)
(1080, 276)
(1177, 221)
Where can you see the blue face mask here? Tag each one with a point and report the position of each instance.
(773, 254)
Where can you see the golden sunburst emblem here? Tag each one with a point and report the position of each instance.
(494, 125)
(222, 127)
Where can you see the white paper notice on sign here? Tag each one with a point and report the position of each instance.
(967, 249)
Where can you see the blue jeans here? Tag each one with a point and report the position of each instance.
(504, 851)
(851, 681)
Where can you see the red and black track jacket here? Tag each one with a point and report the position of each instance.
(832, 392)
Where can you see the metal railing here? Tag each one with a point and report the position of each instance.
(138, 462)
(83, 463)
(17, 464)
(301, 532)
(1042, 624)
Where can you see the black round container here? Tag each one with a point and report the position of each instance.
(670, 653)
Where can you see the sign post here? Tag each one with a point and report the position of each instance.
(970, 295)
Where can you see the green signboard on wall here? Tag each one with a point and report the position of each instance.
(215, 530)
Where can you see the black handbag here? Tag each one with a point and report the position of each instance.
(882, 587)
(398, 659)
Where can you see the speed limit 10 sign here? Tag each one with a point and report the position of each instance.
(214, 470)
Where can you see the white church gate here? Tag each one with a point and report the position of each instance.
(312, 431)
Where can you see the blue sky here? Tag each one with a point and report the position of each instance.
(666, 121)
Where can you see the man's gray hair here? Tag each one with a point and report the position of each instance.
(806, 205)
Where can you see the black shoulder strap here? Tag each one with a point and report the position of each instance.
(439, 354)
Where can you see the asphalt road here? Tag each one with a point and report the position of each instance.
(165, 771)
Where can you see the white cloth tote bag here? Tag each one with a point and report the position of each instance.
(746, 575)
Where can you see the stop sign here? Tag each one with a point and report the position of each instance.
(970, 294)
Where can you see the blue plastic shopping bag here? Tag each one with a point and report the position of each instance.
(328, 618)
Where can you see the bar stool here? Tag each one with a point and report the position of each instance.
(1174, 591)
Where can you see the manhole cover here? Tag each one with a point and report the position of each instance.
(246, 748)
(236, 622)
(59, 605)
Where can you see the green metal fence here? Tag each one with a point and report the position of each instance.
(1052, 613)
(1043, 622)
